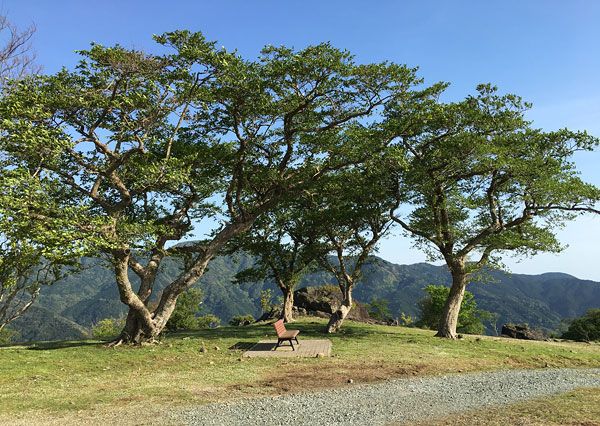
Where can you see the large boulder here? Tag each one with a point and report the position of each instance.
(518, 331)
(323, 301)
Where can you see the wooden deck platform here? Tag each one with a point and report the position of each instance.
(306, 348)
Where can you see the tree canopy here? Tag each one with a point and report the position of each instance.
(147, 146)
(474, 180)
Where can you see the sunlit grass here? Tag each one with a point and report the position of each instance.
(578, 407)
(85, 376)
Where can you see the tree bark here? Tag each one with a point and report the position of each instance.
(449, 319)
(337, 318)
(288, 304)
(143, 325)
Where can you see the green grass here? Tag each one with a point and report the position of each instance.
(85, 378)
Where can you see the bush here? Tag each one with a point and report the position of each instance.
(185, 314)
(6, 335)
(208, 321)
(585, 328)
(470, 319)
(241, 320)
(108, 328)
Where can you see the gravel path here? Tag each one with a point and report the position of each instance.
(393, 401)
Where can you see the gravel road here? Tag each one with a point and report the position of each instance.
(394, 401)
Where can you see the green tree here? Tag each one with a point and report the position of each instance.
(378, 309)
(351, 212)
(470, 319)
(284, 244)
(474, 181)
(150, 145)
(585, 328)
(23, 238)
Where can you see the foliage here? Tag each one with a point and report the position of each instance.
(151, 144)
(470, 319)
(34, 250)
(406, 320)
(378, 309)
(585, 328)
(6, 335)
(284, 244)
(473, 181)
(266, 300)
(185, 315)
(241, 319)
(108, 328)
(208, 321)
(351, 215)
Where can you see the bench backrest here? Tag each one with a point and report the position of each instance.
(279, 327)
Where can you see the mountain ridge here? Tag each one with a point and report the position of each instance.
(541, 300)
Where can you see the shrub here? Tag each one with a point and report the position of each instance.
(6, 335)
(585, 328)
(208, 321)
(241, 320)
(185, 314)
(108, 328)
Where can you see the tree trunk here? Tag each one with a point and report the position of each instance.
(337, 318)
(288, 304)
(449, 319)
(143, 325)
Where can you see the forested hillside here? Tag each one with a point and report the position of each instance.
(78, 302)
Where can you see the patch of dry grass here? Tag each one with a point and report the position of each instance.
(580, 407)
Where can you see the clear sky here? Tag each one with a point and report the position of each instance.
(547, 51)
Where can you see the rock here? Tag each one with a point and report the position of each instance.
(217, 348)
(203, 350)
(517, 331)
(350, 381)
(320, 355)
(323, 301)
(274, 313)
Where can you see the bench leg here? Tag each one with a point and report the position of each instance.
(289, 340)
(297, 340)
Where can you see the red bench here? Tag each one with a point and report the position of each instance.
(283, 334)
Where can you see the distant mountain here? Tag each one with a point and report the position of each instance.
(82, 300)
(39, 324)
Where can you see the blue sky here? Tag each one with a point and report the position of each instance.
(547, 51)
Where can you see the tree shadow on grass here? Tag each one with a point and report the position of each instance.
(45, 346)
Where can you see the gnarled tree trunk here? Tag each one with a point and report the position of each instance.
(338, 317)
(142, 324)
(449, 319)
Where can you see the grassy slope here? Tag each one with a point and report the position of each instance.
(84, 379)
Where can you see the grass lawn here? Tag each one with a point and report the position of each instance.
(67, 381)
(580, 407)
